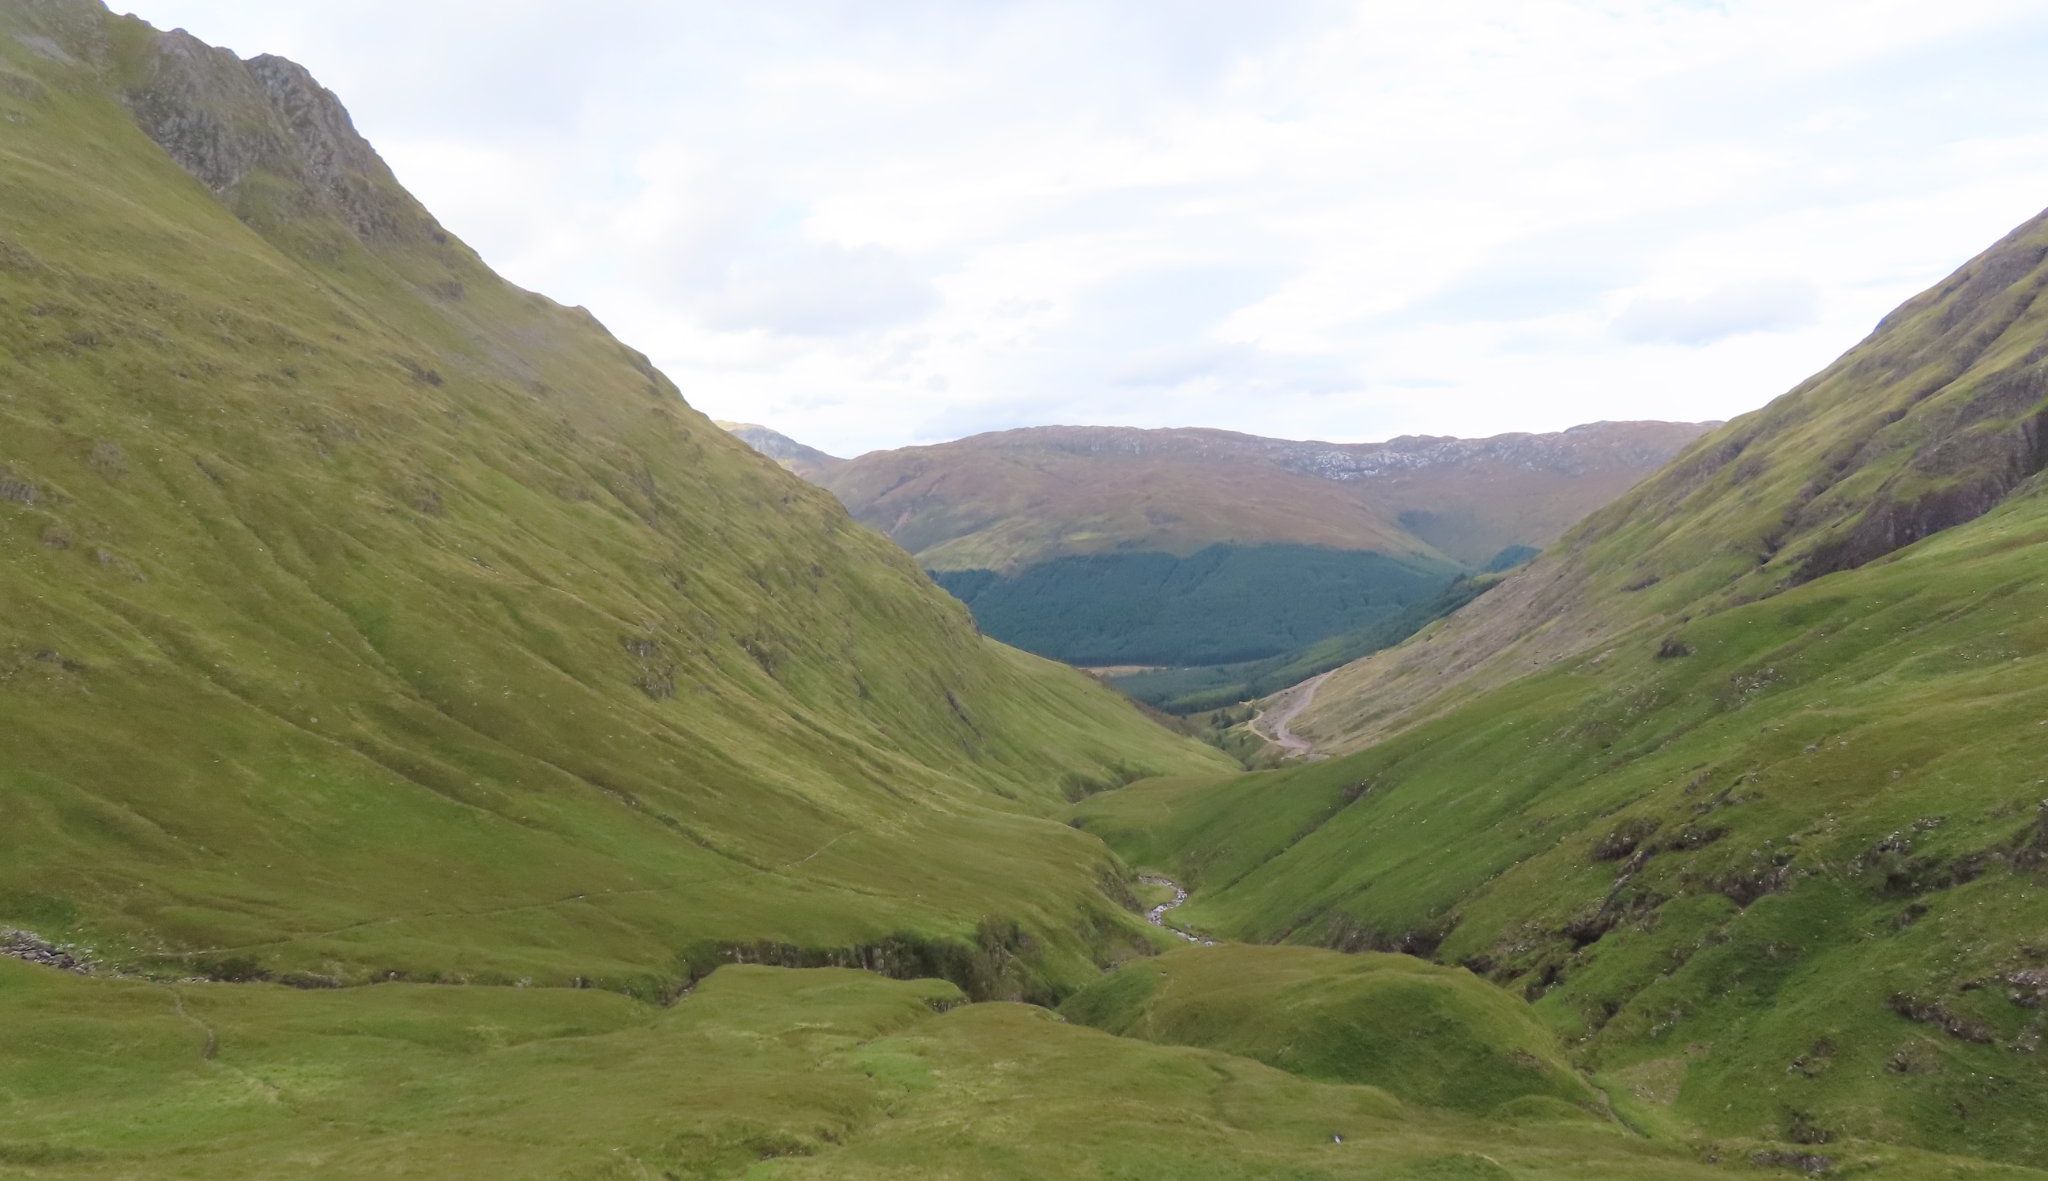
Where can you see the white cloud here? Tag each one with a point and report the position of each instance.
(873, 224)
(1767, 305)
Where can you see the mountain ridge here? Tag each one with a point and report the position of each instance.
(1344, 461)
(1189, 487)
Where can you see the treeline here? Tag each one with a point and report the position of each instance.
(1195, 690)
(1227, 604)
(1511, 557)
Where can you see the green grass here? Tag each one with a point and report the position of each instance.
(760, 1073)
(371, 619)
(1740, 782)
(370, 616)
(1837, 791)
(1932, 420)
(1427, 1034)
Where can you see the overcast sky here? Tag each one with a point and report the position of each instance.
(873, 223)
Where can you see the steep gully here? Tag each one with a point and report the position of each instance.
(1284, 710)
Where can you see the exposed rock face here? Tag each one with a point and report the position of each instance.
(190, 104)
(335, 162)
(34, 949)
(227, 121)
(1988, 447)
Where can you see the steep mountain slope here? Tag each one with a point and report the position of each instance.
(1007, 500)
(1741, 781)
(1929, 423)
(367, 615)
(808, 462)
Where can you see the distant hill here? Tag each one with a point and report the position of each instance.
(1006, 500)
(808, 462)
(1113, 546)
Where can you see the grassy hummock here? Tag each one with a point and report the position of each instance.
(1428, 1034)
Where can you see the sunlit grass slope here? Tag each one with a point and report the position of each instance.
(1742, 782)
(365, 615)
(1426, 1033)
(762, 1073)
(1778, 868)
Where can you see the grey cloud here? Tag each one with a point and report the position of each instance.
(1775, 305)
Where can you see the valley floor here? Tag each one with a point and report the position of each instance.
(760, 1073)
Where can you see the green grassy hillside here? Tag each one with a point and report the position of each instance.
(1928, 423)
(1757, 827)
(1427, 1034)
(368, 616)
(410, 702)
(1788, 881)
(761, 1073)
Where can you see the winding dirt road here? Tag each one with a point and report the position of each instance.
(1273, 723)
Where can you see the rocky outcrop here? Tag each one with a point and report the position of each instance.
(229, 122)
(31, 948)
(1980, 452)
(262, 134)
